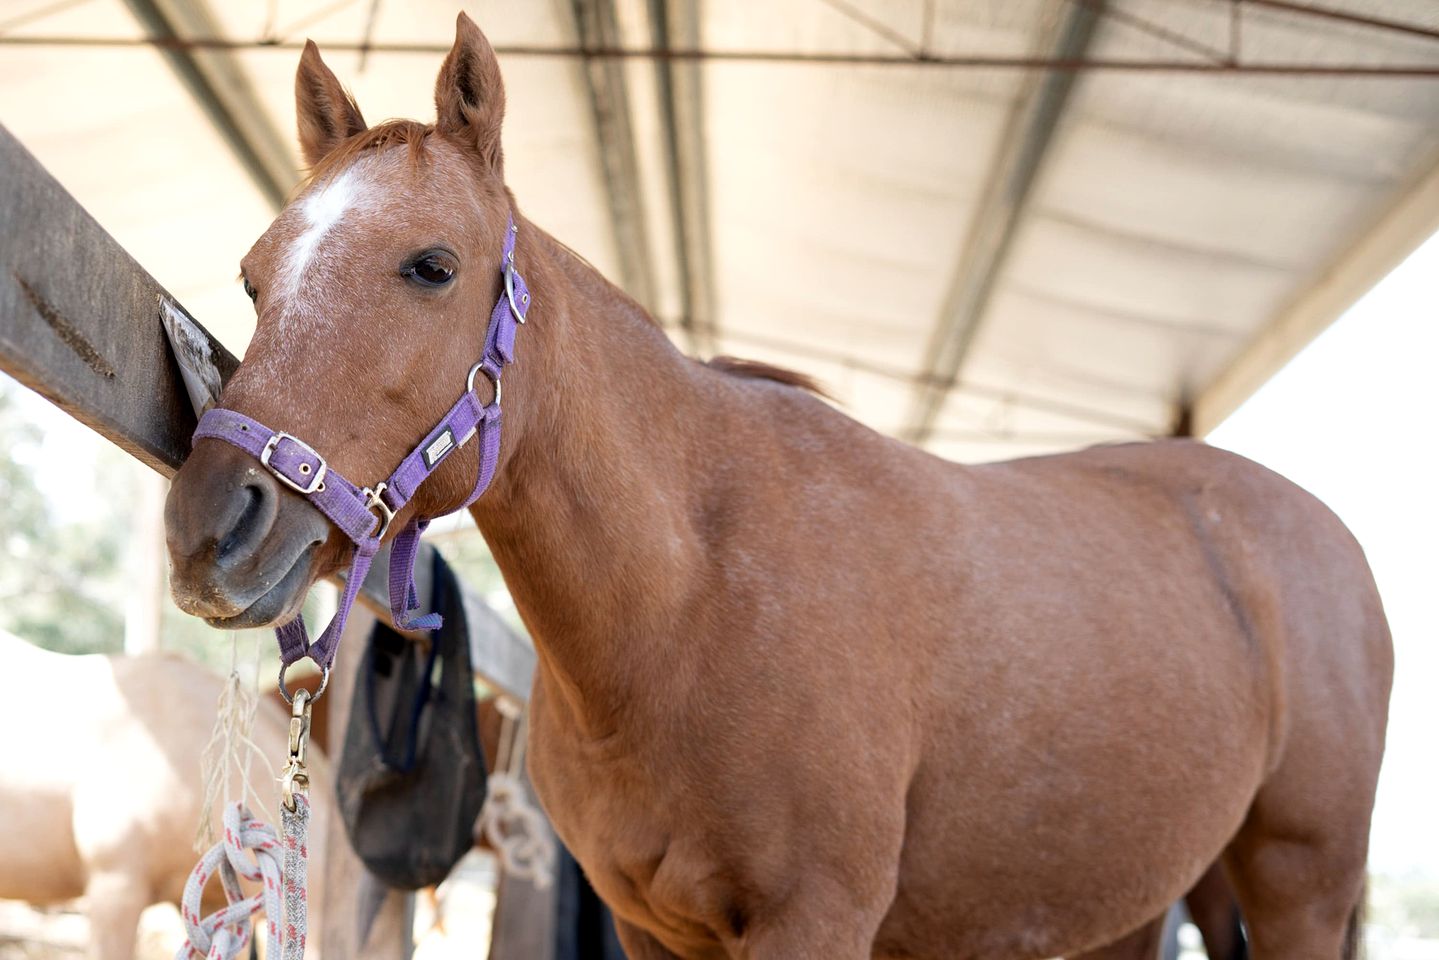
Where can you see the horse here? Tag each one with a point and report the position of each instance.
(803, 690)
(100, 781)
(1212, 910)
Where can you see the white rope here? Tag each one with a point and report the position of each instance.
(514, 827)
(224, 934)
(230, 748)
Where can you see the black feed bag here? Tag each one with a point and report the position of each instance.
(412, 772)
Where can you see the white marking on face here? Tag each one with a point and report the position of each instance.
(322, 209)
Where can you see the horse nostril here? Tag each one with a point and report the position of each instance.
(253, 517)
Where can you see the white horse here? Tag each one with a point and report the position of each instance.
(100, 782)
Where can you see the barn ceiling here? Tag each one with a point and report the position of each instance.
(993, 227)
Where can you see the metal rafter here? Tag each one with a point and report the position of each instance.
(596, 26)
(221, 87)
(675, 25)
(1016, 165)
(926, 61)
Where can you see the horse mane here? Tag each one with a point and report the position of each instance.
(758, 370)
(381, 135)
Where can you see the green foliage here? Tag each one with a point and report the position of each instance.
(61, 584)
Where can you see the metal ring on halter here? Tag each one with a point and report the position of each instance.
(324, 682)
(374, 500)
(494, 379)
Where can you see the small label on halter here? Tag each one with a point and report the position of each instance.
(438, 447)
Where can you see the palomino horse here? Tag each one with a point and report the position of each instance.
(100, 781)
(803, 691)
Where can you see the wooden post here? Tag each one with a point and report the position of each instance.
(525, 916)
(361, 918)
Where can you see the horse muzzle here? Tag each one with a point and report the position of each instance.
(243, 550)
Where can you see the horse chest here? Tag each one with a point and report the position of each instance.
(633, 840)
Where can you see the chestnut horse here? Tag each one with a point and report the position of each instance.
(1212, 910)
(803, 690)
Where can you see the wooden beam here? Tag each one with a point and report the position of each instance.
(1016, 166)
(597, 27)
(79, 319)
(674, 25)
(80, 325)
(1407, 223)
(222, 88)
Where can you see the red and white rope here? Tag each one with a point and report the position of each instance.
(277, 865)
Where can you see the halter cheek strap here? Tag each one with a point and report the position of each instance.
(363, 513)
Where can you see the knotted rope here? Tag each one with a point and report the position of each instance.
(279, 867)
(513, 826)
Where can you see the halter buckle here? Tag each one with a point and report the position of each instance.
(315, 482)
(375, 500)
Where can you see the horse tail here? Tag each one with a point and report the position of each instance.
(1354, 933)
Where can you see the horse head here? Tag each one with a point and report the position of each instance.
(372, 290)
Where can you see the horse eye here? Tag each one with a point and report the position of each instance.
(433, 269)
(250, 290)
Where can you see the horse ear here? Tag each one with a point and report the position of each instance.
(469, 94)
(326, 114)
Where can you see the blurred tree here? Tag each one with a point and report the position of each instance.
(60, 582)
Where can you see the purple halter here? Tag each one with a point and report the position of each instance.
(364, 514)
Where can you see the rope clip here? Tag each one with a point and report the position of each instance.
(295, 778)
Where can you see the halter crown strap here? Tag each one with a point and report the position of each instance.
(364, 514)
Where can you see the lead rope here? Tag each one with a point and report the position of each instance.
(514, 828)
(278, 863)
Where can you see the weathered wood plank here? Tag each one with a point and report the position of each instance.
(80, 325)
(79, 318)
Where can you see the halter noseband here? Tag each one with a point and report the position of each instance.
(364, 514)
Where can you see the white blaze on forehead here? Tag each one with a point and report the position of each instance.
(319, 212)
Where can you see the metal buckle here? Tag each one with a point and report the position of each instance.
(373, 500)
(315, 482)
(510, 289)
(494, 379)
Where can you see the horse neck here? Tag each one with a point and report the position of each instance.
(592, 518)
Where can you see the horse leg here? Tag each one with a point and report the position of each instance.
(1298, 869)
(1213, 910)
(115, 901)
